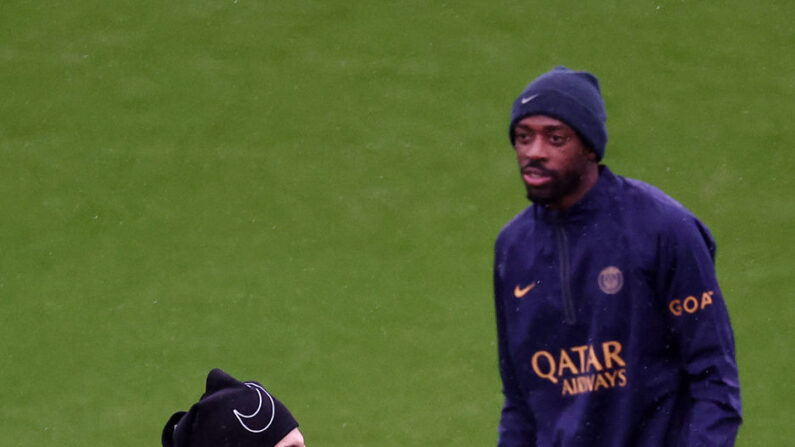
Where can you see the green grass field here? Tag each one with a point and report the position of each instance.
(306, 193)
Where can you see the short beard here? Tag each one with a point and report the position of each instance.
(561, 186)
(555, 193)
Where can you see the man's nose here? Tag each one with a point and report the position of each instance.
(533, 150)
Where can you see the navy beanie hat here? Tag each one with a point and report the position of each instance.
(570, 96)
(230, 413)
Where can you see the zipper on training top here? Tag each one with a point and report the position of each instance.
(565, 275)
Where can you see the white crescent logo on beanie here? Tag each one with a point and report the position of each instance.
(240, 416)
(529, 98)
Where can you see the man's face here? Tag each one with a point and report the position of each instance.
(557, 168)
(292, 439)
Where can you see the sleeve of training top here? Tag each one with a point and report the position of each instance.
(517, 426)
(700, 320)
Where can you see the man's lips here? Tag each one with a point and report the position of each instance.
(534, 176)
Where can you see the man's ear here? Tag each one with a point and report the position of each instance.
(591, 155)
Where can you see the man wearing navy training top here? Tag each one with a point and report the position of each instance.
(612, 328)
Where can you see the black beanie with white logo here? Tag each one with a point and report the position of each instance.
(570, 96)
(230, 414)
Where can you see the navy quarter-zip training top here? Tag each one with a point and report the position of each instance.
(612, 329)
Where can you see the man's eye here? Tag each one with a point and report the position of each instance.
(557, 139)
(522, 137)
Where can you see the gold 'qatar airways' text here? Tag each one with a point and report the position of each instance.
(587, 368)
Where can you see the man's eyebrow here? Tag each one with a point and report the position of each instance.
(555, 127)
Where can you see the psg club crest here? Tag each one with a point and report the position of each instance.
(611, 280)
